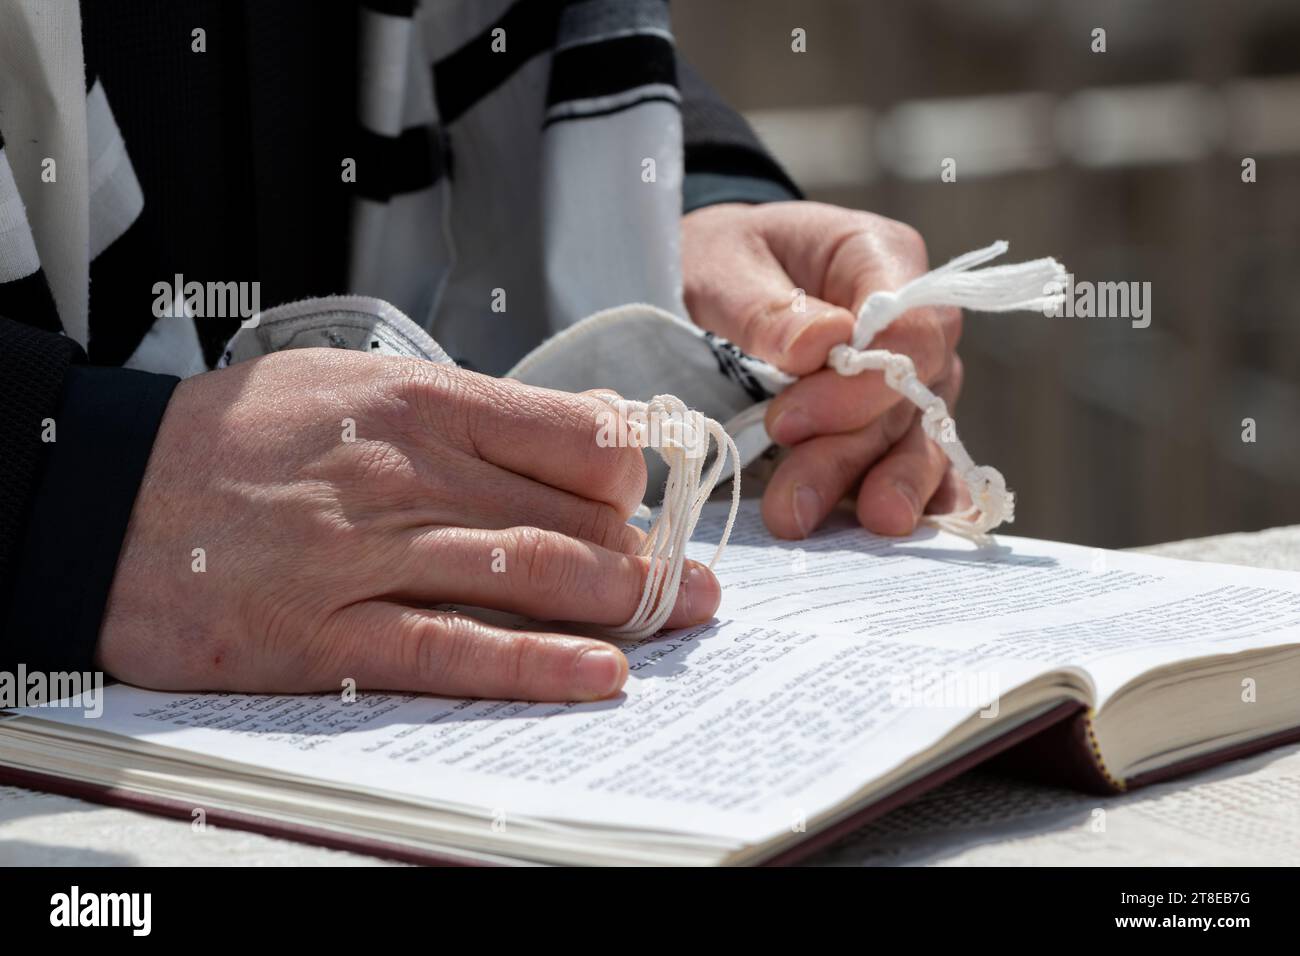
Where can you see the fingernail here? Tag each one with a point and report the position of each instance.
(696, 594)
(908, 494)
(791, 427)
(598, 672)
(807, 508)
(814, 329)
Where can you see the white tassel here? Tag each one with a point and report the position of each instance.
(1023, 286)
(682, 437)
(997, 289)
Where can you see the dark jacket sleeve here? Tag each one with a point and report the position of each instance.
(725, 162)
(73, 449)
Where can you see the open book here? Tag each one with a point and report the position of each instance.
(844, 675)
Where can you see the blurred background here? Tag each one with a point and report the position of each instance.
(1126, 166)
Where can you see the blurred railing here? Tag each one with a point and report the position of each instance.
(1127, 166)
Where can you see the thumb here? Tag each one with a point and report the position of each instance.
(767, 316)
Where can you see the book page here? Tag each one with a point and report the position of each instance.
(1111, 613)
(733, 730)
(832, 662)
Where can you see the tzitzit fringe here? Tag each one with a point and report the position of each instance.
(1009, 288)
(682, 436)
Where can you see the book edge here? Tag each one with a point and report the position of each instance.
(235, 820)
(1065, 725)
(1060, 714)
(1215, 757)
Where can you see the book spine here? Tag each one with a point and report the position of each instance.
(1065, 754)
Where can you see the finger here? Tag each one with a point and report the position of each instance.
(490, 497)
(897, 488)
(749, 299)
(540, 574)
(952, 495)
(827, 402)
(817, 473)
(393, 647)
(844, 254)
(853, 254)
(561, 439)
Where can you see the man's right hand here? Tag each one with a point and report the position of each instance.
(302, 513)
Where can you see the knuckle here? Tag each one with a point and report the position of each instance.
(438, 646)
(601, 524)
(411, 386)
(521, 655)
(422, 648)
(628, 540)
(907, 240)
(382, 465)
(755, 328)
(424, 396)
(584, 428)
(466, 408)
(613, 472)
(548, 567)
(410, 395)
(627, 478)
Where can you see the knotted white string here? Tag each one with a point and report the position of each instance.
(682, 437)
(1008, 288)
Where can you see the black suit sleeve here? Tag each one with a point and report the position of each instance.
(65, 504)
(725, 162)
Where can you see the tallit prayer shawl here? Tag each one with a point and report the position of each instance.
(544, 163)
(534, 148)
